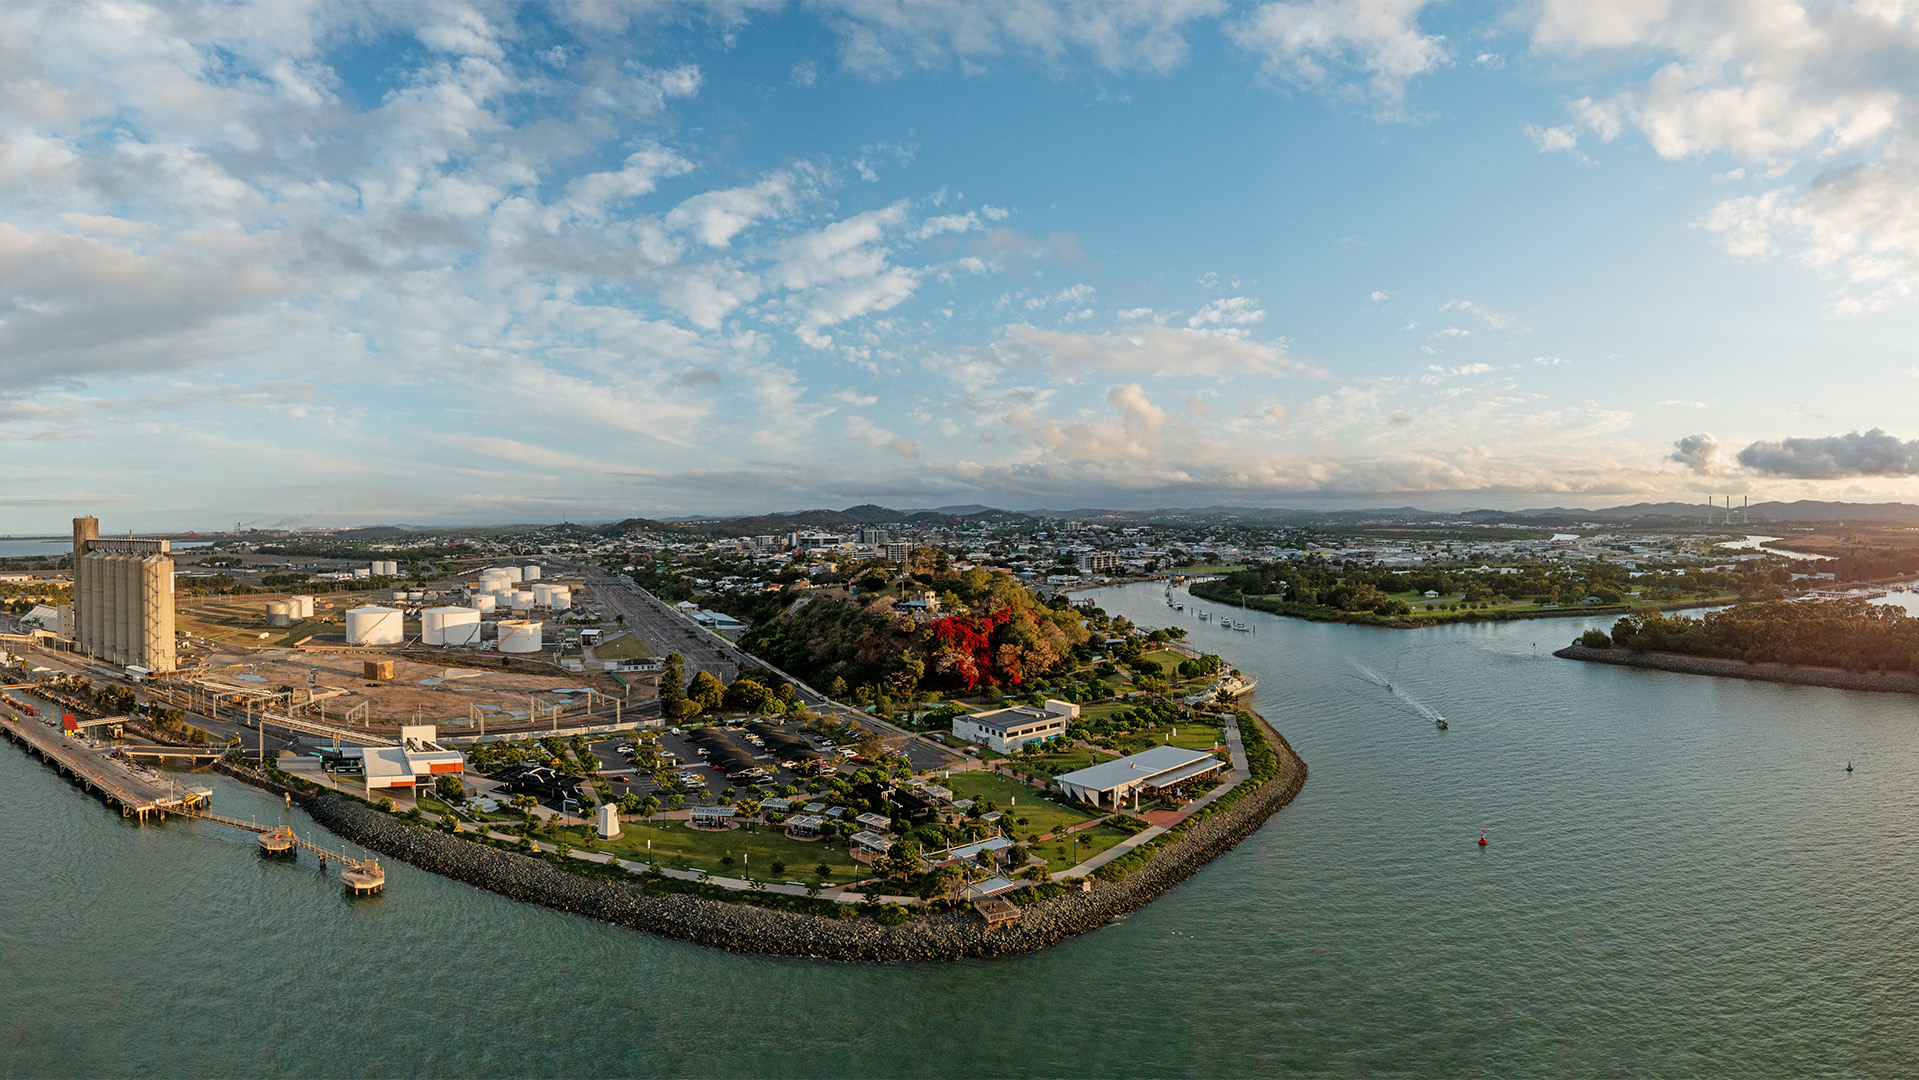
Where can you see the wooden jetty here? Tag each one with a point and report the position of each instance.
(359, 875)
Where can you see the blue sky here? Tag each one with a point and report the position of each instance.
(339, 264)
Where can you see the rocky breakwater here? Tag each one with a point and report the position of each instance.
(945, 935)
(1885, 682)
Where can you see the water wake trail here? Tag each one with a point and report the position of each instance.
(1412, 704)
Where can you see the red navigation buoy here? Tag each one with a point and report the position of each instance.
(1482, 838)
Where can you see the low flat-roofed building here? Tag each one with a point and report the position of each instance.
(870, 844)
(1111, 783)
(1006, 730)
(710, 817)
(991, 887)
(988, 851)
(414, 762)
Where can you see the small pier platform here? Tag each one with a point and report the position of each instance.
(361, 876)
(136, 791)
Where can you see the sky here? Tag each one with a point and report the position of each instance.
(295, 264)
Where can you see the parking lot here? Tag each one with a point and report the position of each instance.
(682, 746)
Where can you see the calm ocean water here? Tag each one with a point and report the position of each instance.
(1682, 880)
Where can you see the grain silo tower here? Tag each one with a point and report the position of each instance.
(123, 598)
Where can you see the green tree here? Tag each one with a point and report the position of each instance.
(673, 684)
(706, 691)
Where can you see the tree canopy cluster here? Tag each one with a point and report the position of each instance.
(1001, 636)
(1850, 634)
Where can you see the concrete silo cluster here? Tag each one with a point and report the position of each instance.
(123, 598)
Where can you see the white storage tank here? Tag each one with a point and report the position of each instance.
(510, 573)
(521, 600)
(374, 625)
(449, 626)
(362, 572)
(484, 602)
(560, 599)
(302, 606)
(529, 573)
(416, 595)
(520, 635)
(279, 613)
(392, 568)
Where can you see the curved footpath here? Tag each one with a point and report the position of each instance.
(947, 935)
(1837, 678)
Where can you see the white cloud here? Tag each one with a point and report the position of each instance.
(593, 194)
(1300, 41)
(886, 38)
(1161, 350)
(1073, 295)
(1493, 319)
(948, 223)
(1437, 373)
(1552, 138)
(1228, 312)
(1379, 296)
(1774, 85)
(716, 217)
(843, 272)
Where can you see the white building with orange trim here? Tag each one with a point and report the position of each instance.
(415, 762)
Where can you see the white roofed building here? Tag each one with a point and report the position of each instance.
(1111, 783)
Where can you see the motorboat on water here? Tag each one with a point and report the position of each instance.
(1440, 723)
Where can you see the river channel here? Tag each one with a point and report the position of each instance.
(1681, 879)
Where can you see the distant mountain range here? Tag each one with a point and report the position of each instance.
(1760, 515)
(1802, 512)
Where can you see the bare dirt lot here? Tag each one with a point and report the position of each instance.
(429, 691)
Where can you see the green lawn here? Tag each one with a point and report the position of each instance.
(1188, 734)
(1065, 759)
(1062, 855)
(676, 845)
(1041, 812)
(1429, 610)
(624, 647)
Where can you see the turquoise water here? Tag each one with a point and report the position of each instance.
(1682, 879)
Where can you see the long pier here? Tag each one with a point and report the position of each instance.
(136, 791)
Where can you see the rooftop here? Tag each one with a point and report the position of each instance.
(1145, 765)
